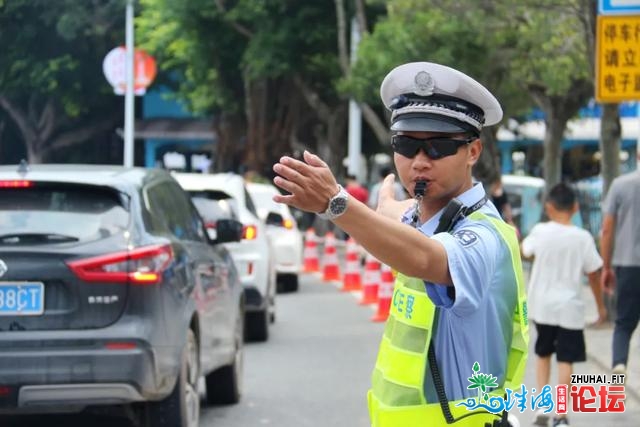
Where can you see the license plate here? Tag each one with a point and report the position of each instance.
(21, 299)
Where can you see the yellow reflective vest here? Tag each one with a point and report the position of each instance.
(397, 397)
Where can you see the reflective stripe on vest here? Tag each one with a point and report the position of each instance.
(397, 396)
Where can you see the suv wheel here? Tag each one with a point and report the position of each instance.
(257, 328)
(182, 407)
(224, 386)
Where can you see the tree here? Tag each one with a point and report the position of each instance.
(51, 83)
(467, 35)
(533, 48)
(259, 67)
(610, 127)
(553, 64)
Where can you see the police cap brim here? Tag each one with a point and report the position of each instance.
(421, 123)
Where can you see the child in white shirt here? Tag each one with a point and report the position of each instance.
(562, 254)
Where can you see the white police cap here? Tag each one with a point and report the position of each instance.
(423, 96)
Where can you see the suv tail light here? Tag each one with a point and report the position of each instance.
(16, 183)
(249, 232)
(141, 266)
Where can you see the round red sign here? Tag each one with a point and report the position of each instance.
(144, 70)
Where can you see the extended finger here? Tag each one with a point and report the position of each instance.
(287, 172)
(287, 199)
(287, 185)
(313, 159)
(299, 166)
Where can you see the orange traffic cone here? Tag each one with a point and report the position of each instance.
(385, 293)
(370, 281)
(310, 254)
(352, 281)
(330, 267)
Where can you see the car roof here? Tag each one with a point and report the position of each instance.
(528, 181)
(227, 182)
(259, 186)
(268, 189)
(103, 175)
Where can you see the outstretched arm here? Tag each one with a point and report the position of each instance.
(311, 184)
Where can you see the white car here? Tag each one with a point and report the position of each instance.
(283, 230)
(252, 255)
(526, 197)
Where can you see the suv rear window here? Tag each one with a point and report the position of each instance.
(225, 202)
(56, 213)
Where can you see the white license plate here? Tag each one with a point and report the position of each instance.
(21, 298)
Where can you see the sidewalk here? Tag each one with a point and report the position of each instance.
(599, 339)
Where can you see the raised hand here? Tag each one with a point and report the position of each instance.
(310, 182)
(387, 204)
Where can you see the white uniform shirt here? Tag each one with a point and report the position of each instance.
(563, 254)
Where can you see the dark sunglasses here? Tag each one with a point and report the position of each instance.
(435, 148)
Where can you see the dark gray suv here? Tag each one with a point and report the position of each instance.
(111, 292)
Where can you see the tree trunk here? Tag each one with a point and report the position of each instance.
(487, 170)
(558, 109)
(610, 134)
(330, 132)
(336, 138)
(272, 110)
(552, 163)
(230, 129)
(376, 124)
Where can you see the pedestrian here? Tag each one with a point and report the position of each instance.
(355, 189)
(459, 300)
(398, 190)
(620, 251)
(562, 253)
(500, 200)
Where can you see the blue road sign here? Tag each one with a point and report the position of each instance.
(619, 7)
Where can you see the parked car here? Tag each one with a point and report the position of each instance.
(112, 293)
(283, 231)
(252, 255)
(526, 197)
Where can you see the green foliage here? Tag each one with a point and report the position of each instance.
(505, 44)
(55, 50)
(551, 44)
(420, 31)
(215, 51)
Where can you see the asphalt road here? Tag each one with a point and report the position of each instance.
(315, 370)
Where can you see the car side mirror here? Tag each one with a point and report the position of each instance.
(274, 218)
(228, 230)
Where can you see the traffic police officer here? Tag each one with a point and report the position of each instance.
(458, 303)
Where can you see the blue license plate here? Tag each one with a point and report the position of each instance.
(21, 299)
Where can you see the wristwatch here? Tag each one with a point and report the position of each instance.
(337, 205)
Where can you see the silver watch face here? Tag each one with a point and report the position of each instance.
(338, 205)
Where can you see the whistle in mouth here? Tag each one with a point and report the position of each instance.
(420, 188)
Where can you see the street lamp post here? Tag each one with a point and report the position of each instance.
(355, 116)
(128, 97)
